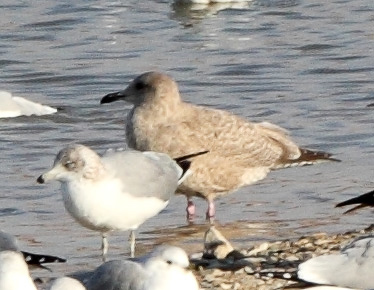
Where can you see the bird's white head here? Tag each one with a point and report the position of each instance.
(170, 255)
(71, 162)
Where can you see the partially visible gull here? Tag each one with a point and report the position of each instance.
(352, 267)
(116, 192)
(12, 106)
(14, 273)
(9, 242)
(66, 283)
(166, 268)
(240, 152)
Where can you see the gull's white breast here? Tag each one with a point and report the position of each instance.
(105, 205)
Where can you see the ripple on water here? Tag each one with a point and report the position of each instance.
(304, 66)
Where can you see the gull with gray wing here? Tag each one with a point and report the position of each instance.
(352, 267)
(116, 192)
(165, 268)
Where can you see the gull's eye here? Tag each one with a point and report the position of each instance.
(70, 165)
(169, 262)
(140, 85)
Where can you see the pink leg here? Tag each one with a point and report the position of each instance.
(190, 209)
(211, 211)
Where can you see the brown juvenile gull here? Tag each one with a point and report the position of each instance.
(240, 152)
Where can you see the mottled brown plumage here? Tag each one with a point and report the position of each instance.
(240, 152)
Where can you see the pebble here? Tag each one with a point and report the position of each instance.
(225, 286)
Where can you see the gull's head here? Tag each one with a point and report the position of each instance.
(170, 256)
(149, 87)
(66, 283)
(72, 162)
(168, 268)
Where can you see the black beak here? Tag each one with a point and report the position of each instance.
(109, 98)
(40, 179)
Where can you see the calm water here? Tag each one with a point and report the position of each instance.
(307, 66)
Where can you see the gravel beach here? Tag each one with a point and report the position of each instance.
(241, 269)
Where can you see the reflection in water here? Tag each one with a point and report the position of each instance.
(240, 233)
(277, 3)
(190, 13)
(305, 66)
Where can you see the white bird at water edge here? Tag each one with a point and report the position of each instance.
(13, 106)
(116, 192)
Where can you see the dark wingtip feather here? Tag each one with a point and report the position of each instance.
(184, 163)
(185, 157)
(363, 200)
(366, 198)
(38, 260)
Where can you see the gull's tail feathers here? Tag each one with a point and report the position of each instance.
(307, 157)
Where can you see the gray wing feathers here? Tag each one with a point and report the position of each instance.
(147, 174)
(117, 275)
(166, 162)
(320, 270)
(352, 268)
(8, 242)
